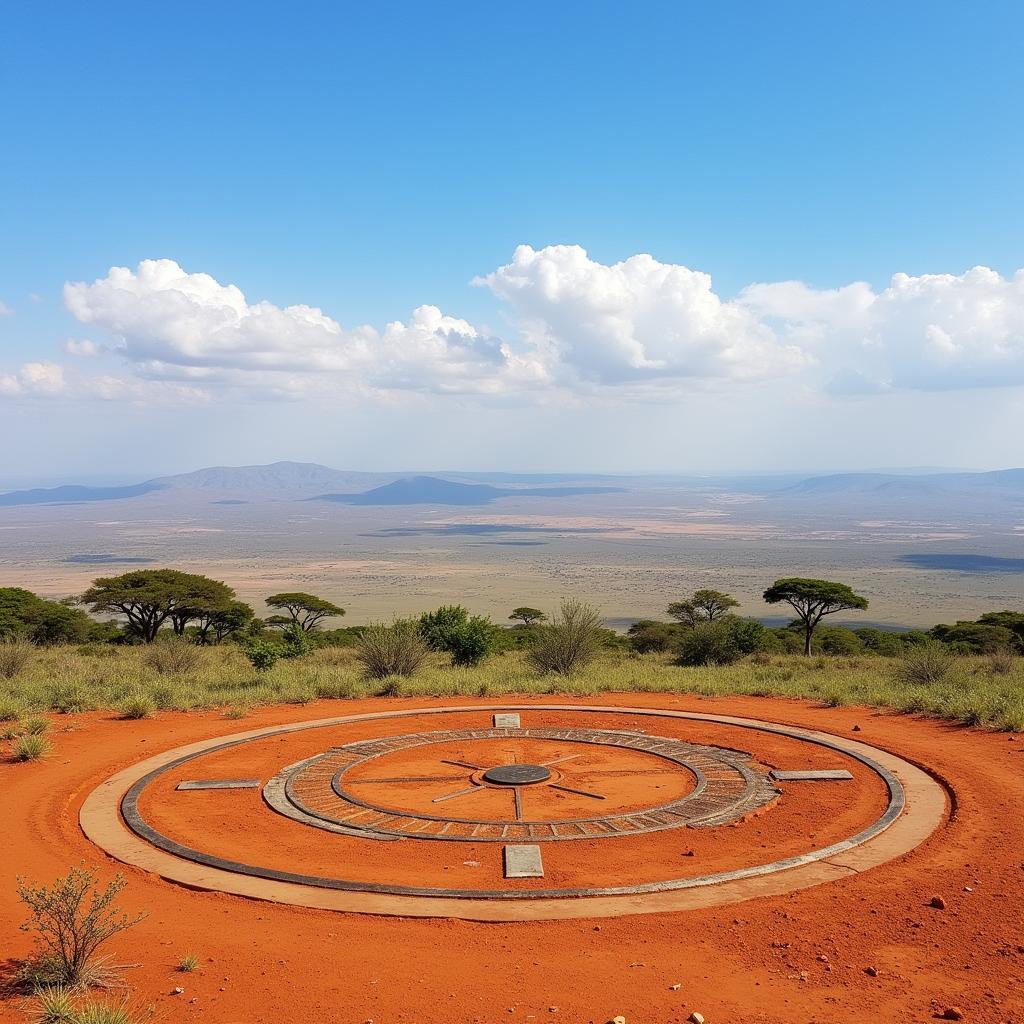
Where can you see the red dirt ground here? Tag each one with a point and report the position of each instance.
(795, 958)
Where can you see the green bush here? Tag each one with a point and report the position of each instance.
(708, 643)
(262, 654)
(468, 639)
(395, 650)
(647, 636)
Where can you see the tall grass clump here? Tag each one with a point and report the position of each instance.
(1001, 661)
(925, 665)
(571, 642)
(56, 1005)
(31, 747)
(137, 706)
(395, 650)
(14, 656)
(71, 919)
(173, 657)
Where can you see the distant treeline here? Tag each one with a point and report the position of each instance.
(146, 605)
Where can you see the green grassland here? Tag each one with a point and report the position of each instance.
(130, 681)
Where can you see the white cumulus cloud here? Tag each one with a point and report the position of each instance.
(635, 320)
(632, 329)
(34, 379)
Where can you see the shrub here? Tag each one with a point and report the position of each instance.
(262, 654)
(173, 656)
(71, 920)
(929, 663)
(295, 642)
(14, 656)
(137, 706)
(395, 650)
(189, 963)
(468, 639)
(69, 698)
(708, 643)
(31, 747)
(1001, 661)
(647, 636)
(10, 708)
(571, 642)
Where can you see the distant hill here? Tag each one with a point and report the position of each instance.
(999, 483)
(72, 494)
(290, 477)
(432, 490)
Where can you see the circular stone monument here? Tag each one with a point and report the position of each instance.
(509, 813)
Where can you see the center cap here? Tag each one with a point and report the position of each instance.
(516, 774)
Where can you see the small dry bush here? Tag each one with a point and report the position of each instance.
(1001, 662)
(56, 1005)
(14, 656)
(36, 725)
(924, 665)
(70, 920)
(173, 657)
(188, 963)
(571, 642)
(395, 650)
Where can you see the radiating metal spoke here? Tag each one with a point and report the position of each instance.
(561, 760)
(408, 778)
(461, 792)
(518, 803)
(578, 792)
(464, 764)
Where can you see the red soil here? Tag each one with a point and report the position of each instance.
(797, 958)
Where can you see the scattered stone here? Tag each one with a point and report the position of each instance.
(952, 1013)
(177, 991)
(871, 972)
(696, 1018)
(617, 1020)
(939, 904)
(856, 728)
(676, 987)
(967, 888)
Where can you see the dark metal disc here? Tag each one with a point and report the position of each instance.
(516, 774)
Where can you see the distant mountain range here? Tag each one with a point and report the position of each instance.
(432, 490)
(1006, 482)
(286, 481)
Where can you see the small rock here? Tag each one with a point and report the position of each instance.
(552, 1009)
(952, 1013)
(871, 972)
(967, 888)
(696, 1018)
(676, 987)
(617, 1020)
(939, 904)
(177, 991)
(856, 728)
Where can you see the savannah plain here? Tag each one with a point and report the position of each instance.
(629, 552)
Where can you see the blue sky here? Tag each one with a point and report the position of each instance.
(368, 160)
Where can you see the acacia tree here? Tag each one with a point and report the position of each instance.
(812, 600)
(704, 606)
(215, 625)
(528, 616)
(304, 610)
(147, 598)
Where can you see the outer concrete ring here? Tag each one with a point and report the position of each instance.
(915, 818)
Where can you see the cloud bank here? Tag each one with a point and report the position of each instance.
(572, 325)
